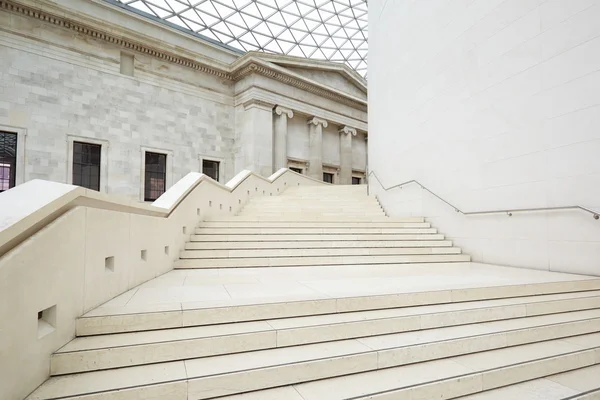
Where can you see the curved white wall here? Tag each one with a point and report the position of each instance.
(492, 104)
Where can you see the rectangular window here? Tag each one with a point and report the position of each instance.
(211, 168)
(298, 170)
(355, 180)
(327, 177)
(8, 160)
(86, 165)
(155, 179)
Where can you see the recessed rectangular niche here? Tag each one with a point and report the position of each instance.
(127, 64)
(184, 230)
(166, 250)
(109, 264)
(46, 321)
(144, 255)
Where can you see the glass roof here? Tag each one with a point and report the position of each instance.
(334, 30)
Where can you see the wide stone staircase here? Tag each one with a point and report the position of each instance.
(331, 225)
(434, 326)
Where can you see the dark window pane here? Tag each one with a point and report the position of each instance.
(327, 177)
(298, 170)
(8, 160)
(211, 168)
(86, 165)
(155, 175)
(355, 181)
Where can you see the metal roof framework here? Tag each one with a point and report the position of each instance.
(332, 30)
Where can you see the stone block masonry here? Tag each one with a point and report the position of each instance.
(54, 99)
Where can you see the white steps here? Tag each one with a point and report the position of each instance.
(233, 243)
(197, 316)
(578, 384)
(314, 237)
(323, 261)
(382, 373)
(127, 349)
(196, 244)
(357, 331)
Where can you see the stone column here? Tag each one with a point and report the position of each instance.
(315, 140)
(254, 127)
(280, 137)
(366, 157)
(346, 134)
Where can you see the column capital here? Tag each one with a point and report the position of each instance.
(280, 110)
(348, 130)
(317, 121)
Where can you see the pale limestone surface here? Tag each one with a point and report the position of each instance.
(59, 87)
(71, 249)
(496, 110)
(378, 331)
(210, 287)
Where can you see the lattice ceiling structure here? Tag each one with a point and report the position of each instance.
(334, 30)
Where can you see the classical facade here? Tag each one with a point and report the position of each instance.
(99, 96)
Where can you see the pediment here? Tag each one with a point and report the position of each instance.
(333, 79)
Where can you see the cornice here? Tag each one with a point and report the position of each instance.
(110, 38)
(235, 72)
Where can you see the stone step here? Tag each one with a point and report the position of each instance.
(317, 206)
(194, 314)
(314, 238)
(591, 395)
(276, 253)
(294, 207)
(578, 384)
(441, 257)
(326, 202)
(450, 378)
(344, 370)
(308, 215)
(285, 222)
(313, 225)
(311, 231)
(348, 244)
(128, 349)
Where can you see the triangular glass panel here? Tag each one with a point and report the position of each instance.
(286, 35)
(285, 46)
(261, 39)
(191, 15)
(250, 20)
(277, 18)
(159, 12)
(308, 50)
(295, 51)
(275, 29)
(309, 41)
(304, 9)
(223, 11)
(248, 38)
(236, 19)
(262, 28)
(208, 8)
(273, 46)
(236, 30)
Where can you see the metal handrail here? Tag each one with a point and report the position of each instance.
(509, 212)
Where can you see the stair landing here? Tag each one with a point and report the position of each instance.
(204, 288)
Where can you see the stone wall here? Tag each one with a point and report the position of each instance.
(59, 85)
(54, 97)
